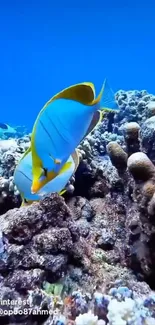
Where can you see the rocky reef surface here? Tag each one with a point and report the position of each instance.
(87, 257)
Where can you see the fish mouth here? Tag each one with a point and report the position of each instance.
(34, 191)
(35, 187)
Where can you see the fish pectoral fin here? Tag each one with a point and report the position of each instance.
(65, 167)
(107, 99)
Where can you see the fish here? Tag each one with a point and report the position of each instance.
(23, 172)
(62, 124)
(23, 178)
(5, 128)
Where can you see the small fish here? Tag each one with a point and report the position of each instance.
(61, 125)
(23, 178)
(5, 128)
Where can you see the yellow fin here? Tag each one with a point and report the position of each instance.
(65, 167)
(26, 152)
(62, 192)
(98, 99)
(76, 160)
(23, 203)
(36, 161)
(82, 92)
(37, 173)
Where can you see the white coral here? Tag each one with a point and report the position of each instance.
(120, 312)
(86, 319)
(6, 145)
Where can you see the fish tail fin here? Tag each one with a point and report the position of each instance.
(107, 98)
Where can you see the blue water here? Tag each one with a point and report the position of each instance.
(48, 45)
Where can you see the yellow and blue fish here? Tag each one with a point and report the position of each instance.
(23, 178)
(61, 125)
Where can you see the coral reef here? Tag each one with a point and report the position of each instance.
(98, 241)
(10, 152)
(48, 241)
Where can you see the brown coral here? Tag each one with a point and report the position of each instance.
(132, 137)
(140, 166)
(132, 130)
(148, 189)
(117, 155)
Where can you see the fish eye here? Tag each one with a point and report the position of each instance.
(44, 172)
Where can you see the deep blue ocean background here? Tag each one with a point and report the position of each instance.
(48, 45)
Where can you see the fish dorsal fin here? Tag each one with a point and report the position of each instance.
(75, 156)
(83, 93)
(98, 98)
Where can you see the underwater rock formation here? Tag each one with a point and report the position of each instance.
(10, 153)
(41, 236)
(148, 137)
(99, 238)
(47, 242)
